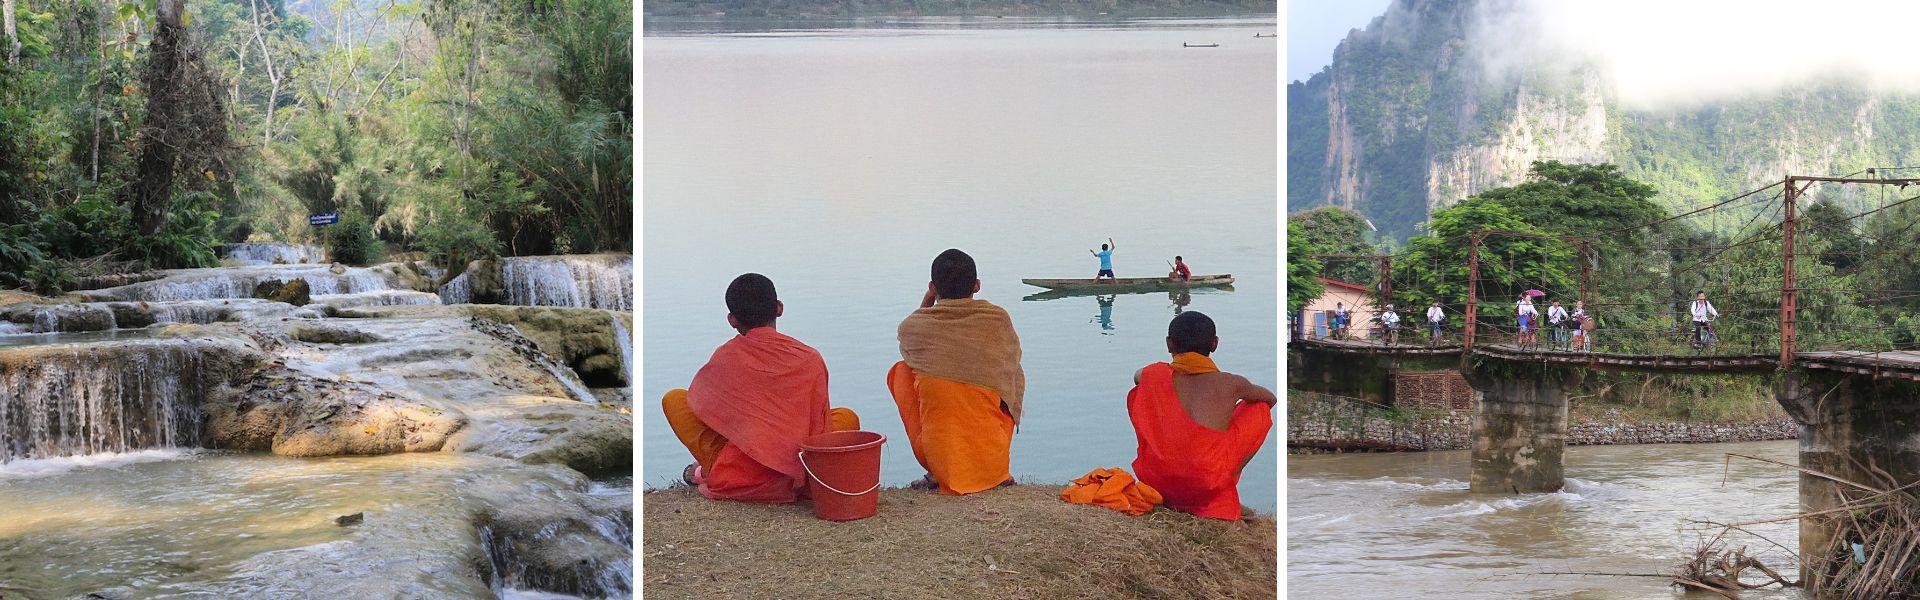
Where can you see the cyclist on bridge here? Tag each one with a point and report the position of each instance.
(1557, 316)
(1340, 317)
(1703, 314)
(1390, 321)
(1582, 326)
(1529, 318)
(1436, 320)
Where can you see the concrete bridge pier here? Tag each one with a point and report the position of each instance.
(1855, 427)
(1520, 428)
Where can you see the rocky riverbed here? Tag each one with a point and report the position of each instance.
(177, 436)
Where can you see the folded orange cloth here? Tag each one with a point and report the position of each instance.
(970, 341)
(1196, 469)
(959, 432)
(1112, 488)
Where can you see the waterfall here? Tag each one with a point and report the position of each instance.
(591, 281)
(239, 282)
(623, 340)
(456, 291)
(91, 398)
(267, 253)
(54, 318)
(195, 313)
(607, 523)
(380, 298)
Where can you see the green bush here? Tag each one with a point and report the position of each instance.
(352, 241)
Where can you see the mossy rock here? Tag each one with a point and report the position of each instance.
(294, 292)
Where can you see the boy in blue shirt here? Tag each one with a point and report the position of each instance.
(1106, 261)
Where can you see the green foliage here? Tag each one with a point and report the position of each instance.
(51, 276)
(1336, 230)
(351, 241)
(505, 129)
(1302, 269)
(19, 249)
(1434, 267)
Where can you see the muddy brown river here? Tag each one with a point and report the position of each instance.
(1404, 525)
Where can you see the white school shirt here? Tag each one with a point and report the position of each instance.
(1703, 309)
(1555, 314)
(1434, 313)
(1525, 307)
(1390, 318)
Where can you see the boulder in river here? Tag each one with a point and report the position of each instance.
(294, 292)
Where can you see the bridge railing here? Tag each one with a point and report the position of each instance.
(1659, 337)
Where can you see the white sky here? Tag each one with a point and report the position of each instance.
(1315, 27)
(1661, 52)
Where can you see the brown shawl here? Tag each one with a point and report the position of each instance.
(970, 341)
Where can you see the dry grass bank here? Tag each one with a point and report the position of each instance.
(1017, 542)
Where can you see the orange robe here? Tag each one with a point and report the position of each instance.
(1112, 488)
(746, 412)
(1196, 469)
(959, 432)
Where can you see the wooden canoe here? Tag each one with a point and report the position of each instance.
(1131, 284)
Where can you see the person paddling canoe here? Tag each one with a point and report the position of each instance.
(1106, 261)
(1180, 271)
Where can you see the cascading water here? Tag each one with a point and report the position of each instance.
(457, 290)
(196, 313)
(91, 398)
(206, 284)
(72, 317)
(591, 281)
(623, 340)
(514, 579)
(267, 253)
(381, 298)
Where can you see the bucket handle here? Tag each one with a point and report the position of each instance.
(823, 482)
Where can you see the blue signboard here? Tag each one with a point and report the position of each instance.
(323, 219)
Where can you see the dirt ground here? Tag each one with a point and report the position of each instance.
(1017, 542)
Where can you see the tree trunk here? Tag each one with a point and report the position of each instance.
(159, 152)
(8, 27)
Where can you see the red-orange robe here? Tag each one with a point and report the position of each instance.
(747, 411)
(1196, 469)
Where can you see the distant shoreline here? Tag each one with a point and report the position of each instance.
(736, 11)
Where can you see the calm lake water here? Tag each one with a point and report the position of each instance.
(839, 162)
(1406, 522)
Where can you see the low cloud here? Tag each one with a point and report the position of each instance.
(1662, 53)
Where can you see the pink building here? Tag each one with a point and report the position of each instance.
(1317, 316)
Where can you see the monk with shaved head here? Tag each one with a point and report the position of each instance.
(1197, 425)
(747, 410)
(959, 383)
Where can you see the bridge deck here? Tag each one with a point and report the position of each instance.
(1639, 362)
(1377, 347)
(1897, 364)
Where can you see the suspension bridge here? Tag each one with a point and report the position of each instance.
(1847, 374)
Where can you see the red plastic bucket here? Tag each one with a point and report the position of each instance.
(843, 473)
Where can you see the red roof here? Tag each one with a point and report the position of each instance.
(1339, 283)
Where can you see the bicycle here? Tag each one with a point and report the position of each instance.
(1560, 338)
(1435, 331)
(1703, 337)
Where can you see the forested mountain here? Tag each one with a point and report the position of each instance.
(1410, 117)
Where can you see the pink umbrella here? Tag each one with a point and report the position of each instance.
(1536, 293)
